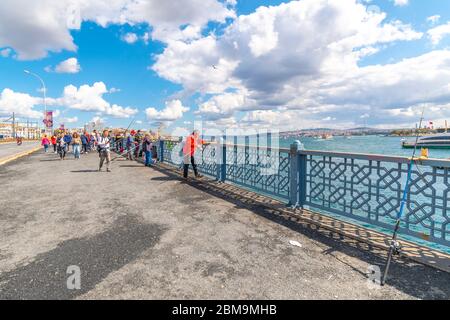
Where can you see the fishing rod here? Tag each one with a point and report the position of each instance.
(131, 123)
(122, 155)
(125, 133)
(395, 247)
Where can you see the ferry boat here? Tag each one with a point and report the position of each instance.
(436, 141)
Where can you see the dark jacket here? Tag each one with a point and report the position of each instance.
(68, 138)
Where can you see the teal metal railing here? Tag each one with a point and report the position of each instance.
(362, 187)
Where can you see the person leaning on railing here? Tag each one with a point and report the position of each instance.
(193, 142)
(148, 150)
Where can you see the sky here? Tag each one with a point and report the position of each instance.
(228, 64)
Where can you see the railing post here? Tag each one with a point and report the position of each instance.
(223, 176)
(218, 158)
(161, 151)
(302, 169)
(294, 176)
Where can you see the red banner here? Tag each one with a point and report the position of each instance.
(48, 119)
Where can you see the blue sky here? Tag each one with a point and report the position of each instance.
(173, 76)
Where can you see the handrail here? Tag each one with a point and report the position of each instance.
(368, 192)
(440, 163)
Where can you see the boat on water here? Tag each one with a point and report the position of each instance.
(436, 141)
(327, 137)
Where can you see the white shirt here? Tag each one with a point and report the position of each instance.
(104, 142)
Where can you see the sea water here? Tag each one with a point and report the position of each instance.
(387, 146)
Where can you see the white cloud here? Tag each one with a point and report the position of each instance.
(438, 33)
(5, 53)
(98, 122)
(284, 57)
(434, 19)
(130, 38)
(191, 64)
(90, 98)
(222, 106)
(275, 45)
(167, 17)
(32, 31)
(85, 98)
(173, 111)
(114, 90)
(45, 25)
(69, 120)
(70, 65)
(401, 3)
(21, 104)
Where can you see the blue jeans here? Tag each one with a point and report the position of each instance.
(148, 158)
(76, 151)
(46, 147)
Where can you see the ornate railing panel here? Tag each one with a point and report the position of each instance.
(370, 190)
(208, 160)
(366, 188)
(172, 153)
(261, 169)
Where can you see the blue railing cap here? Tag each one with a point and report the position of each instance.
(440, 163)
(377, 157)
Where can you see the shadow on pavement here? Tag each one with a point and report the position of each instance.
(165, 179)
(45, 278)
(412, 278)
(58, 159)
(131, 166)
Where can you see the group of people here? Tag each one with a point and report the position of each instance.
(135, 144)
(63, 140)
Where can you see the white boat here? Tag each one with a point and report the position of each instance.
(436, 141)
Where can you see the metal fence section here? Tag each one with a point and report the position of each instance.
(262, 169)
(366, 188)
(170, 152)
(369, 189)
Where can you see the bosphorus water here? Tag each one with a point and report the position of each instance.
(387, 146)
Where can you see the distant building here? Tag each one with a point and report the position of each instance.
(24, 130)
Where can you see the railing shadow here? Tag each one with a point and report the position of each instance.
(410, 277)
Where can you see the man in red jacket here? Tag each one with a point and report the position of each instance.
(193, 142)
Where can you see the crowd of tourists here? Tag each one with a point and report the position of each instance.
(134, 145)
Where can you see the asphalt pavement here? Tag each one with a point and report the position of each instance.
(139, 233)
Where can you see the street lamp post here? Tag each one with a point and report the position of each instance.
(44, 88)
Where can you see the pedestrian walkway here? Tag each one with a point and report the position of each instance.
(139, 233)
(11, 151)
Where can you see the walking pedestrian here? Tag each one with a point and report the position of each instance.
(84, 142)
(68, 140)
(104, 150)
(76, 142)
(92, 142)
(45, 143)
(61, 147)
(55, 146)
